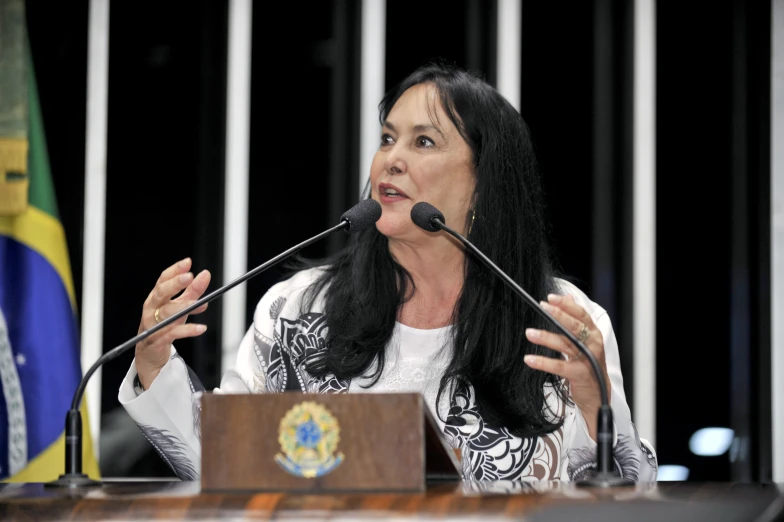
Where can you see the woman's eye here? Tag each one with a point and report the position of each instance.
(386, 139)
(424, 141)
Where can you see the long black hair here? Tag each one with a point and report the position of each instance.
(364, 287)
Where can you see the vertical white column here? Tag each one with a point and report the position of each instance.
(777, 235)
(509, 44)
(644, 246)
(95, 206)
(373, 62)
(235, 226)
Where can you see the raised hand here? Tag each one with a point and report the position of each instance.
(153, 353)
(575, 368)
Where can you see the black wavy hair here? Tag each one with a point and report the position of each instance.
(364, 287)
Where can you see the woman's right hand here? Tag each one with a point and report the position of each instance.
(152, 354)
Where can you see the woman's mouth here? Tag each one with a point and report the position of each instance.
(389, 193)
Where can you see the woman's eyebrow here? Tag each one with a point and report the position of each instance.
(418, 128)
(425, 128)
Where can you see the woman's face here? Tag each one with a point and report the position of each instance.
(422, 157)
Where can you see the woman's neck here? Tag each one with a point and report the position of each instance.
(437, 271)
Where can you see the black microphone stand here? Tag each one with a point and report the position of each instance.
(73, 476)
(605, 475)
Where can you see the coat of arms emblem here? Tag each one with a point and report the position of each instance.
(308, 437)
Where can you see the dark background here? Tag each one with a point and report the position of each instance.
(166, 154)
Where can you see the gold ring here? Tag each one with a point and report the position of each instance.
(583, 335)
(157, 315)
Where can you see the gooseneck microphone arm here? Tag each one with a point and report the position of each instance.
(359, 217)
(431, 219)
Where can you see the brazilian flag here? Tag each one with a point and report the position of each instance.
(39, 338)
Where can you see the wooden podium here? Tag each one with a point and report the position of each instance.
(297, 442)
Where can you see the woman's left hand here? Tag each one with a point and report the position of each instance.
(575, 368)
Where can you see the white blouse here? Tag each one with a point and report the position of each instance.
(271, 359)
(415, 362)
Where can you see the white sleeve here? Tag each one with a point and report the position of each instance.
(634, 457)
(169, 412)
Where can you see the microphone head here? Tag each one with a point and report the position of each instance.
(362, 215)
(423, 214)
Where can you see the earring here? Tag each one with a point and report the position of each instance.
(471, 226)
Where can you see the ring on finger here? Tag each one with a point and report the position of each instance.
(157, 315)
(583, 335)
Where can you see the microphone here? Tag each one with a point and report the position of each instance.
(429, 218)
(359, 217)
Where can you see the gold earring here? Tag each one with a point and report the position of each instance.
(471, 226)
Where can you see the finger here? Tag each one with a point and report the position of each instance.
(180, 331)
(568, 304)
(200, 309)
(570, 322)
(177, 268)
(164, 291)
(557, 342)
(152, 316)
(557, 367)
(197, 287)
(174, 307)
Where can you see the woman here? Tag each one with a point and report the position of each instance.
(405, 310)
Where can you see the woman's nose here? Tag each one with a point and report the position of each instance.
(395, 162)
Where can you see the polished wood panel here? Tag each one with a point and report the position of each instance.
(388, 442)
(488, 501)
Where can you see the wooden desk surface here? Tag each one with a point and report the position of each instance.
(140, 500)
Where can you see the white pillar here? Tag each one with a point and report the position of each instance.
(235, 222)
(95, 207)
(373, 62)
(777, 236)
(644, 246)
(509, 44)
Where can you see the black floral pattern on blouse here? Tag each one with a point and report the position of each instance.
(488, 453)
(298, 340)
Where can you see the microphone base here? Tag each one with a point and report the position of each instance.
(73, 480)
(604, 480)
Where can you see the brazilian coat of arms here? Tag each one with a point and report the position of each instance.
(308, 437)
